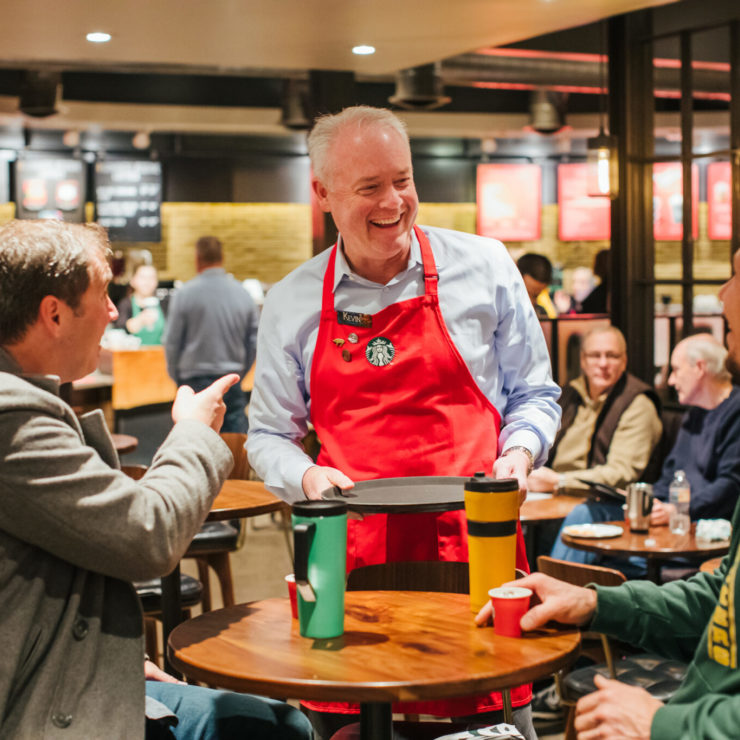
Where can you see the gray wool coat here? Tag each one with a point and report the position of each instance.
(74, 531)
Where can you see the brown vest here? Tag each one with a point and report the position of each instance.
(626, 389)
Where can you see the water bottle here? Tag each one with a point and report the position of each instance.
(679, 494)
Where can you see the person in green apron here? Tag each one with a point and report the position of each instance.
(140, 313)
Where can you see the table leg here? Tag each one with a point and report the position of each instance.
(508, 711)
(376, 721)
(171, 612)
(653, 570)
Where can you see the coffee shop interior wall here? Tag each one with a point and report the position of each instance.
(259, 206)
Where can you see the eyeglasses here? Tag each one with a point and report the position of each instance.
(608, 356)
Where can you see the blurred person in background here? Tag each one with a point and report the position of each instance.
(212, 330)
(599, 299)
(536, 271)
(610, 425)
(141, 313)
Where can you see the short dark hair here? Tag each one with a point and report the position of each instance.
(41, 258)
(537, 266)
(209, 250)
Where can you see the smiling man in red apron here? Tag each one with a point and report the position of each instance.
(412, 351)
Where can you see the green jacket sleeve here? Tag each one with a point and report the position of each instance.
(668, 620)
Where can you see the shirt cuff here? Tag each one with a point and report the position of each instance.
(523, 438)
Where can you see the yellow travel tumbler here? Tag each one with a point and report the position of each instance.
(492, 511)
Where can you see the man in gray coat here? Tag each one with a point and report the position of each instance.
(74, 530)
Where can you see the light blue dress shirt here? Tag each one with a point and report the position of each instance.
(488, 315)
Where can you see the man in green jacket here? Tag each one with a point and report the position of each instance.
(694, 621)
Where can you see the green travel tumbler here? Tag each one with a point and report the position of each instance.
(320, 546)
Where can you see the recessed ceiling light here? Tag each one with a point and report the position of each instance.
(98, 37)
(363, 49)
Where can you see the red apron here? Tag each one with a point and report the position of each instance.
(399, 401)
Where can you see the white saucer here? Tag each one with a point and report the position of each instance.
(593, 531)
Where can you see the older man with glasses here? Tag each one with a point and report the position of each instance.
(611, 421)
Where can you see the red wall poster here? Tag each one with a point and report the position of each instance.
(581, 217)
(509, 201)
(718, 199)
(668, 201)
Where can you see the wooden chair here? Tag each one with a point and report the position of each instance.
(212, 546)
(150, 592)
(446, 577)
(657, 675)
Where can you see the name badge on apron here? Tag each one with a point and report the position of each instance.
(350, 318)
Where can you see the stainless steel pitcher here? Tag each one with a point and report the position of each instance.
(639, 505)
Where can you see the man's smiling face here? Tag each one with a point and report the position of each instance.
(370, 192)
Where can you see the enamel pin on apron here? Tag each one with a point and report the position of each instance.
(339, 341)
(353, 338)
(346, 356)
(380, 351)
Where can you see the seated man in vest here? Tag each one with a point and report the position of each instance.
(610, 425)
(707, 447)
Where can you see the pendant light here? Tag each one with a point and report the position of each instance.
(601, 150)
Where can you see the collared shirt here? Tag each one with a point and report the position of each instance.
(486, 310)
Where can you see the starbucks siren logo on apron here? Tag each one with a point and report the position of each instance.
(380, 351)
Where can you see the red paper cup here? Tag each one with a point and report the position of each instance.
(510, 604)
(290, 580)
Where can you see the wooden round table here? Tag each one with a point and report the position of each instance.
(124, 443)
(397, 646)
(658, 544)
(542, 509)
(548, 507)
(242, 498)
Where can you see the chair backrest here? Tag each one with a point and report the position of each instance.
(134, 471)
(236, 442)
(433, 575)
(579, 574)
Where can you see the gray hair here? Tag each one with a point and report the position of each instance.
(604, 330)
(705, 347)
(327, 127)
(41, 258)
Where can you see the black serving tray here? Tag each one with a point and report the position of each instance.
(403, 495)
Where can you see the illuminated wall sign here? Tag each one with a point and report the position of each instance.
(50, 188)
(128, 199)
(580, 216)
(509, 198)
(668, 201)
(719, 201)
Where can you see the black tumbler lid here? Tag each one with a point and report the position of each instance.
(480, 482)
(320, 507)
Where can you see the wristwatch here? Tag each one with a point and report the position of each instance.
(527, 452)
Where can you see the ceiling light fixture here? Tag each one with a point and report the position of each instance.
(141, 140)
(363, 50)
(601, 150)
(98, 37)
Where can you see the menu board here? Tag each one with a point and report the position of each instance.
(128, 199)
(509, 200)
(580, 216)
(50, 188)
(719, 201)
(668, 201)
